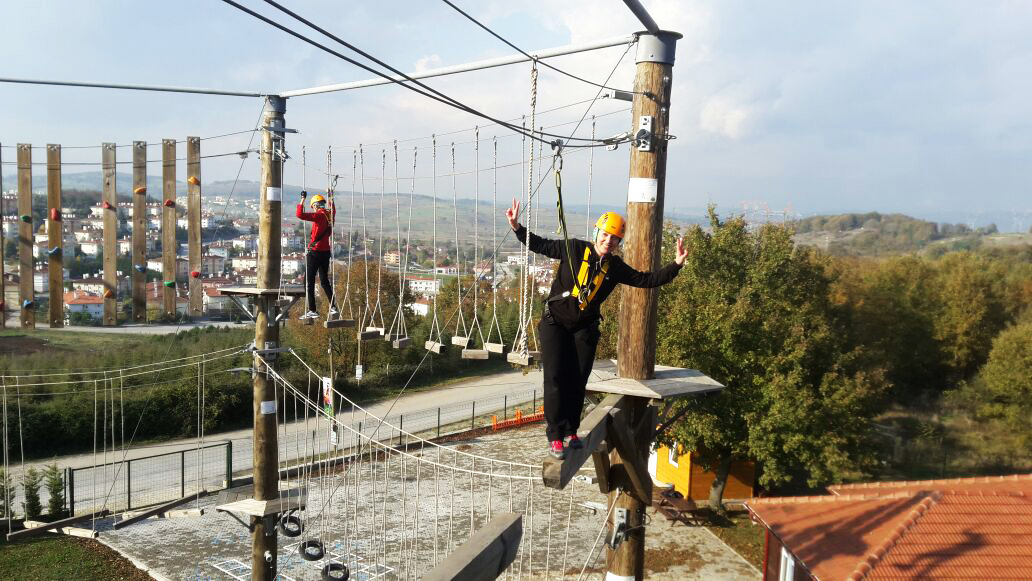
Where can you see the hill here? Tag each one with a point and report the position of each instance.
(873, 233)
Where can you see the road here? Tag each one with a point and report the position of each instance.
(159, 478)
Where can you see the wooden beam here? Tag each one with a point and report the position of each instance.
(636, 467)
(110, 194)
(44, 527)
(600, 458)
(558, 473)
(193, 221)
(168, 224)
(139, 253)
(161, 508)
(26, 261)
(55, 236)
(487, 553)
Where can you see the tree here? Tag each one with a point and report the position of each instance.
(754, 313)
(30, 492)
(54, 482)
(6, 492)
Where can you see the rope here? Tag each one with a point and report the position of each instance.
(475, 325)
(435, 324)
(398, 329)
(591, 168)
(379, 267)
(461, 332)
(494, 325)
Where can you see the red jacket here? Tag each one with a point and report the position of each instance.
(321, 224)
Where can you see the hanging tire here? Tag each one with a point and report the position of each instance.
(335, 572)
(312, 550)
(290, 526)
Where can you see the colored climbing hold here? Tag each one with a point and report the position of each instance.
(193, 181)
(141, 268)
(26, 304)
(141, 190)
(170, 283)
(55, 214)
(108, 294)
(106, 205)
(170, 203)
(26, 218)
(195, 274)
(54, 251)
(3, 306)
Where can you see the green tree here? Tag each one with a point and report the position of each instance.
(6, 492)
(31, 480)
(54, 482)
(755, 313)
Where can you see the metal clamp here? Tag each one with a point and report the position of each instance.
(619, 531)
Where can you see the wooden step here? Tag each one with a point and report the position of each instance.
(369, 335)
(434, 346)
(338, 323)
(495, 347)
(459, 341)
(401, 342)
(474, 354)
(520, 358)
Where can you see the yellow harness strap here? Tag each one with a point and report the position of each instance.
(582, 280)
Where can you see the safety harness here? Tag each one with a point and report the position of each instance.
(584, 289)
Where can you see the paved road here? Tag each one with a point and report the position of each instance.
(159, 479)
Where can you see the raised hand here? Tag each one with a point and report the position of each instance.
(512, 213)
(682, 252)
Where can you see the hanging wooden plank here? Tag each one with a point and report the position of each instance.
(593, 430)
(139, 254)
(475, 354)
(55, 234)
(44, 527)
(110, 210)
(193, 221)
(26, 261)
(487, 553)
(168, 225)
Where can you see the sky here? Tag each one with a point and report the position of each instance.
(800, 106)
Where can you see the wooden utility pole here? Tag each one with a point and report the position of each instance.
(168, 225)
(637, 337)
(266, 336)
(139, 266)
(110, 211)
(26, 264)
(55, 236)
(193, 222)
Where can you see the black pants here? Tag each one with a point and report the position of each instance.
(318, 261)
(566, 358)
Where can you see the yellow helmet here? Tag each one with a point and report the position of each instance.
(316, 199)
(612, 223)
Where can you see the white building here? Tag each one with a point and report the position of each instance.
(423, 285)
(83, 302)
(244, 262)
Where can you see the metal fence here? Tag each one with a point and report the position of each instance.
(128, 484)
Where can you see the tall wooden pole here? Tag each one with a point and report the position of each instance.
(26, 262)
(266, 336)
(139, 266)
(168, 225)
(55, 236)
(637, 338)
(110, 212)
(193, 222)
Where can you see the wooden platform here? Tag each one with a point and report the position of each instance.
(260, 508)
(670, 382)
(288, 291)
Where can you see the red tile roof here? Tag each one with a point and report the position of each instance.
(975, 528)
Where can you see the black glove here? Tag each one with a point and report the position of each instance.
(304, 194)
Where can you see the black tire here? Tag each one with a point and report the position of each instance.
(290, 526)
(312, 550)
(335, 572)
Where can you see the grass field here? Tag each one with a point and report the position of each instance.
(58, 557)
(739, 533)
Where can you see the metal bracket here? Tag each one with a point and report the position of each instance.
(286, 311)
(643, 137)
(236, 300)
(619, 533)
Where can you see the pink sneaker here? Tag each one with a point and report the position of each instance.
(555, 448)
(575, 443)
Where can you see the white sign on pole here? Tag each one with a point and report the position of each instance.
(358, 372)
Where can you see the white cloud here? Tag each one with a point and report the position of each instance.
(725, 118)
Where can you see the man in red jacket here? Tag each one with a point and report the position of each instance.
(317, 256)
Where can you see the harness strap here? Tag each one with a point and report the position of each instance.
(583, 283)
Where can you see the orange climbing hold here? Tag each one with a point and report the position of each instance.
(140, 190)
(108, 294)
(193, 181)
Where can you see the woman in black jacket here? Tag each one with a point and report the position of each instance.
(569, 329)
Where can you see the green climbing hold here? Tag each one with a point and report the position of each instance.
(170, 283)
(26, 218)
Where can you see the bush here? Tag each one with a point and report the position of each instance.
(54, 481)
(5, 492)
(30, 490)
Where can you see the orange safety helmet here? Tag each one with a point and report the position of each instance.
(610, 222)
(316, 199)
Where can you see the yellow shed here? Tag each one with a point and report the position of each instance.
(686, 471)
